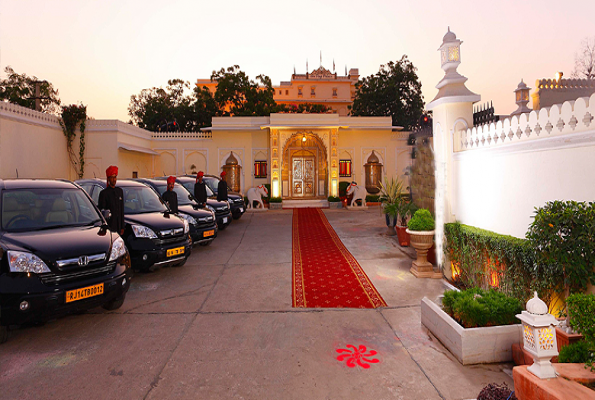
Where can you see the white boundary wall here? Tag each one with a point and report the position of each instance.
(503, 171)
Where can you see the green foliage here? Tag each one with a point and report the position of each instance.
(390, 209)
(422, 220)
(308, 108)
(343, 185)
(479, 254)
(405, 209)
(275, 200)
(578, 352)
(394, 91)
(334, 199)
(155, 107)
(269, 191)
(238, 95)
(563, 236)
(581, 308)
(74, 116)
(372, 198)
(391, 190)
(478, 308)
(20, 89)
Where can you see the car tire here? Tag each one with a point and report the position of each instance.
(3, 334)
(237, 215)
(115, 303)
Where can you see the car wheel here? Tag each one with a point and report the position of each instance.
(115, 303)
(237, 215)
(3, 333)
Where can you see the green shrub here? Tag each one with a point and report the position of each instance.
(268, 186)
(373, 198)
(581, 311)
(577, 352)
(343, 185)
(478, 308)
(275, 200)
(480, 255)
(422, 220)
(333, 199)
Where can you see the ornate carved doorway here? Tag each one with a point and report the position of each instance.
(303, 176)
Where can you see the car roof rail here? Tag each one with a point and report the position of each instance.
(65, 180)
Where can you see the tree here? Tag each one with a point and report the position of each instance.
(20, 89)
(394, 91)
(237, 95)
(584, 60)
(154, 108)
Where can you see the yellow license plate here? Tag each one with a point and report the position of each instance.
(83, 293)
(175, 252)
(208, 233)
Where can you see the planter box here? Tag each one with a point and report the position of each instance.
(335, 204)
(564, 339)
(275, 206)
(403, 236)
(470, 345)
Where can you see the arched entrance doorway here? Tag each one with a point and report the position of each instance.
(304, 167)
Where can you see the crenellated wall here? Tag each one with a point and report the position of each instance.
(553, 91)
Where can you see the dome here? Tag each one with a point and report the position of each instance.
(449, 37)
(537, 306)
(373, 159)
(231, 160)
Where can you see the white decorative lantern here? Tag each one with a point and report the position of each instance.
(450, 51)
(539, 337)
(522, 98)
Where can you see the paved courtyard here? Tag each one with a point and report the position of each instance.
(222, 327)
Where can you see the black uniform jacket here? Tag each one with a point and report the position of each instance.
(113, 199)
(222, 191)
(171, 198)
(200, 192)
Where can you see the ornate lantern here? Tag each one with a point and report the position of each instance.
(450, 51)
(539, 337)
(373, 171)
(522, 98)
(232, 170)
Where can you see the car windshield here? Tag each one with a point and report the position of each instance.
(182, 193)
(212, 183)
(190, 186)
(42, 208)
(138, 200)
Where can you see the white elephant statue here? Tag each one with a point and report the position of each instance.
(359, 193)
(256, 194)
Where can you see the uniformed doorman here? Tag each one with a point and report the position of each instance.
(222, 188)
(112, 198)
(169, 196)
(200, 190)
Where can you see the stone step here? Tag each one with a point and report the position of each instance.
(305, 204)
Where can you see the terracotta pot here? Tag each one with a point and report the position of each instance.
(564, 339)
(422, 241)
(403, 236)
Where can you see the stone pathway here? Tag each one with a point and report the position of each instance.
(222, 327)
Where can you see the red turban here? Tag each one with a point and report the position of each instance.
(200, 173)
(171, 179)
(223, 173)
(111, 171)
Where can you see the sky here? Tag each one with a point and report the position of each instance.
(99, 53)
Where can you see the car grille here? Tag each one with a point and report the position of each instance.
(171, 232)
(179, 238)
(52, 278)
(204, 224)
(82, 261)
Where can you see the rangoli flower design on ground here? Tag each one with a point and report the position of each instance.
(357, 356)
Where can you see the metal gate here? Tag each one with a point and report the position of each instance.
(303, 177)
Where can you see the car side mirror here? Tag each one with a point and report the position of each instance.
(107, 214)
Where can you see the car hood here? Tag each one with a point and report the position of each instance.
(157, 221)
(194, 211)
(61, 243)
(216, 204)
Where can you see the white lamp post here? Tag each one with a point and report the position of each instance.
(539, 337)
(522, 98)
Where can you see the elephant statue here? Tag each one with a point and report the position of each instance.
(359, 193)
(256, 194)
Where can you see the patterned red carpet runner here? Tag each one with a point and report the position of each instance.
(325, 274)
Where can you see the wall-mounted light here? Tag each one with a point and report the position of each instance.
(334, 188)
(275, 187)
(304, 138)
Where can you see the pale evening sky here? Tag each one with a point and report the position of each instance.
(102, 52)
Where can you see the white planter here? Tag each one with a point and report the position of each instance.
(335, 204)
(470, 345)
(275, 206)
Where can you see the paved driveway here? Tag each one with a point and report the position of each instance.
(222, 327)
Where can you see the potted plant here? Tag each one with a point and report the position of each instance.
(334, 202)
(421, 229)
(405, 209)
(390, 194)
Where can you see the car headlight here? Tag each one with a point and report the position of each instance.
(20, 261)
(190, 219)
(210, 208)
(118, 249)
(186, 225)
(141, 231)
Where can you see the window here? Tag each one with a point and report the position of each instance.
(312, 91)
(334, 92)
(134, 174)
(287, 92)
(260, 169)
(345, 168)
(300, 94)
(280, 92)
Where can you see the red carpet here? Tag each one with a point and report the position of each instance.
(325, 274)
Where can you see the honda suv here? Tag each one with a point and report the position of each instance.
(154, 236)
(203, 225)
(57, 255)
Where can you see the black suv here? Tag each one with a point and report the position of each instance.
(203, 225)
(57, 255)
(154, 236)
(220, 208)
